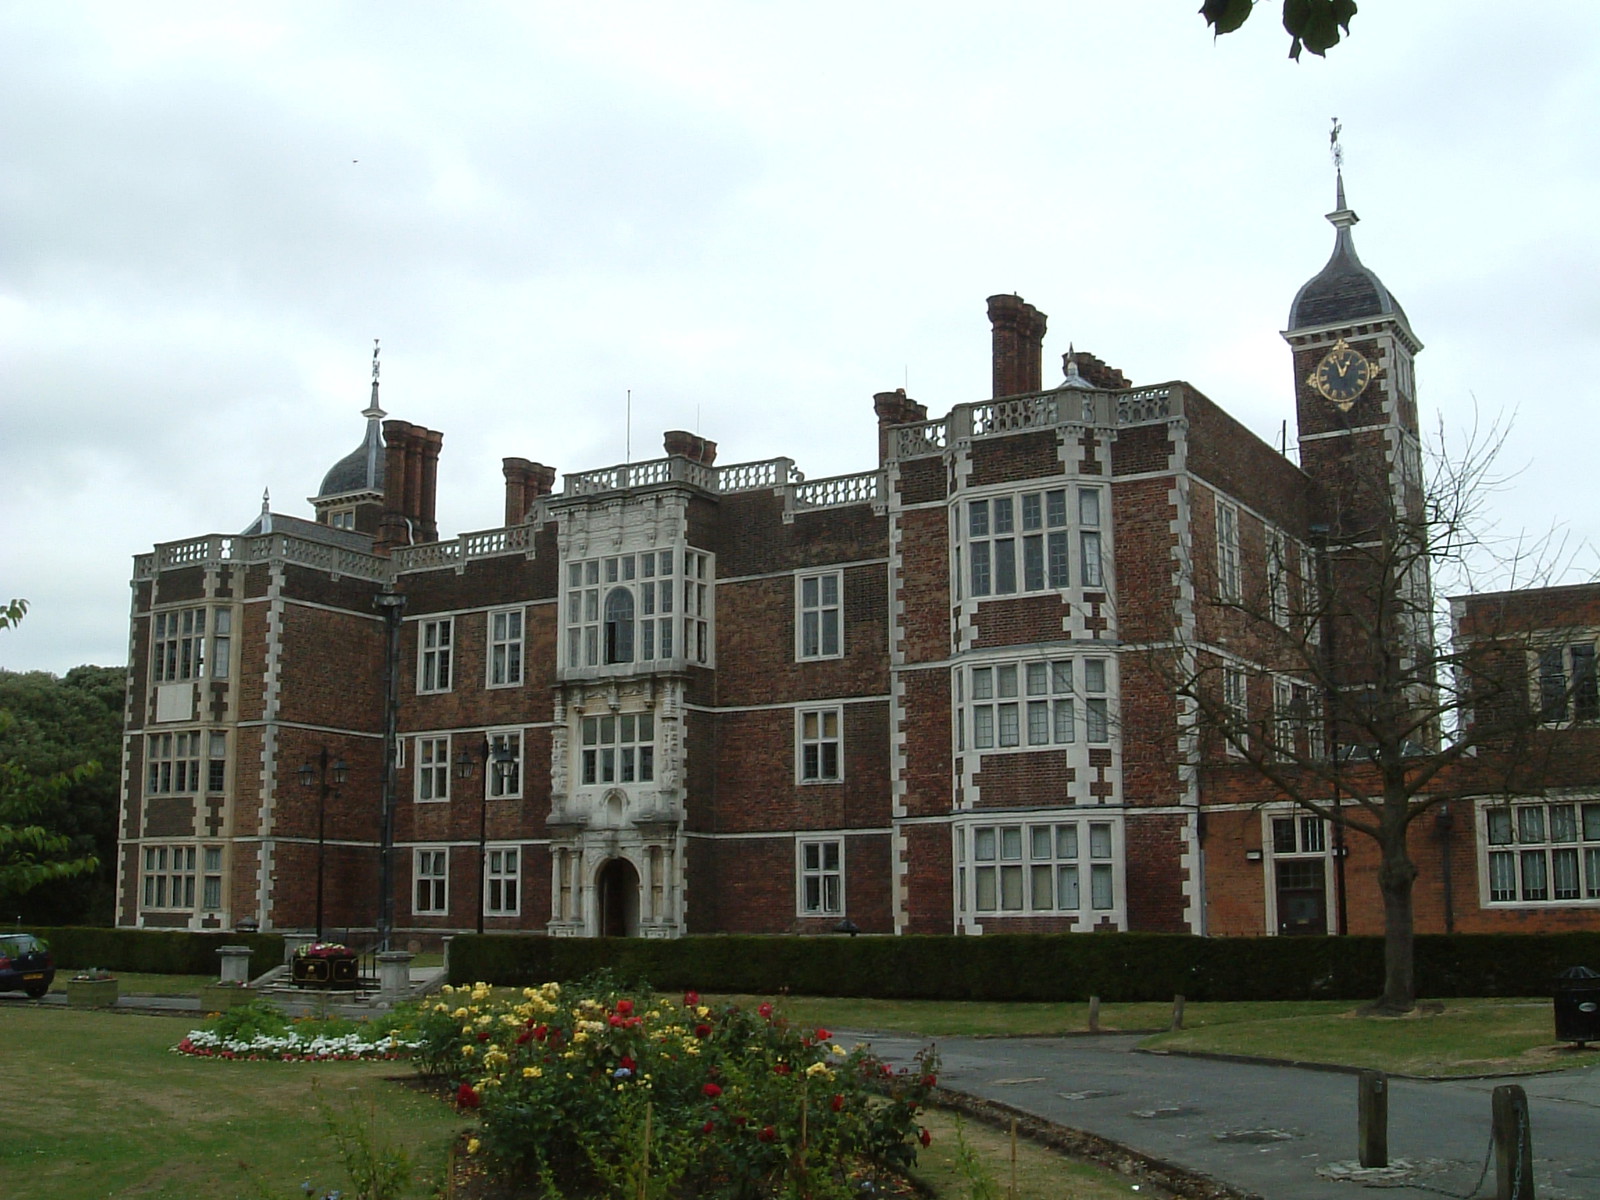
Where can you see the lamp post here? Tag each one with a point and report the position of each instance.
(498, 753)
(317, 775)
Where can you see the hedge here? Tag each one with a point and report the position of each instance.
(1061, 967)
(156, 951)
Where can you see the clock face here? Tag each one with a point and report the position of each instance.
(1342, 375)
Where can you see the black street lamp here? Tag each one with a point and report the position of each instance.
(313, 775)
(498, 753)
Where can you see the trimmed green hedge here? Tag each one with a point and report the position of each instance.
(156, 951)
(1116, 966)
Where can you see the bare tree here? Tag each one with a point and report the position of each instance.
(1375, 713)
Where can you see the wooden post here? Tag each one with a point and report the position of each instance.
(1013, 1158)
(1177, 1012)
(1372, 1118)
(1094, 1014)
(1513, 1144)
(644, 1164)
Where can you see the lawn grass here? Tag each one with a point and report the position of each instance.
(130, 983)
(956, 1018)
(1469, 1037)
(1041, 1174)
(95, 1104)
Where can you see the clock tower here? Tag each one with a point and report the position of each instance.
(1355, 392)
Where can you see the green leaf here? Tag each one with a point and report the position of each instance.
(1314, 24)
(1224, 16)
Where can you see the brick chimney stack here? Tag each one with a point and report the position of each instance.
(894, 408)
(525, 482)
(410, 481)
(1096, 372)
(1018, 345)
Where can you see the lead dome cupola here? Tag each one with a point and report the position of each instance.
(1344, 291)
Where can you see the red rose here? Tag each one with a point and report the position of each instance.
(690, 999)
(702, 1031)
(930, 1080)
(838, 1102)
(925, 1137)
(483, 1035)
(712, 1090)
(708, 1127)
(467, 1096)
(766, 1011)
(614, 1021)
(767, 1134)
(539, 1031)
(783, 1068)
(624, 1007)
(627, 1064)
(524, 1037)
(823, 1035)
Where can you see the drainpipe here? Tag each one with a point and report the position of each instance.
(393, 605)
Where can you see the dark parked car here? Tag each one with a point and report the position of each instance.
(25, 964)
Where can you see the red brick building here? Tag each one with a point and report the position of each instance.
(681, 697)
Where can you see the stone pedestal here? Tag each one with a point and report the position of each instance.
(91, 993)
(235, 964)
(394, 975)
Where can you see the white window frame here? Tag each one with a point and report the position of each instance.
(172, 762)
(1291, 834)
(1277, 552)
(1228, 579)
(168, 873)
(506, 630)
(433, 769)
(819, 728)
(435, 655)
(1566, 690)
(1295, 733)
(671, 592)
(1020, 543)
(430, 869)
(1020, 705)
(819, 877)
(342, 518)
(211, 872)
(502, 880)
(502, 788)
(819, 619)
(1537, 847)
(1236, 701)
(1024, 866)
(616, 748)
(185, 642)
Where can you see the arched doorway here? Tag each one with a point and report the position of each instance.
(618, 889)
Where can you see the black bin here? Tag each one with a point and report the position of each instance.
(1577, 1002)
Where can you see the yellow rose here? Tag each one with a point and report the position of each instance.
(472, 1145)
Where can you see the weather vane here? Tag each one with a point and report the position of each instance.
(374, 360)
(1334, 147)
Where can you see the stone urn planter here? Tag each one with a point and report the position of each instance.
(220, 997)
(92, 992)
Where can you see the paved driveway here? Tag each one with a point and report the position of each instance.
(1269, 1128)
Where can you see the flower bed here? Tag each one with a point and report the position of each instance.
(593, 1090)
(260, 1030)
(295, 1047)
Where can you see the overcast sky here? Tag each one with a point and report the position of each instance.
(754, 215)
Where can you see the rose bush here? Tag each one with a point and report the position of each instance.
(590, 1089)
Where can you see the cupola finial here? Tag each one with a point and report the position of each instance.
(373, 410)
